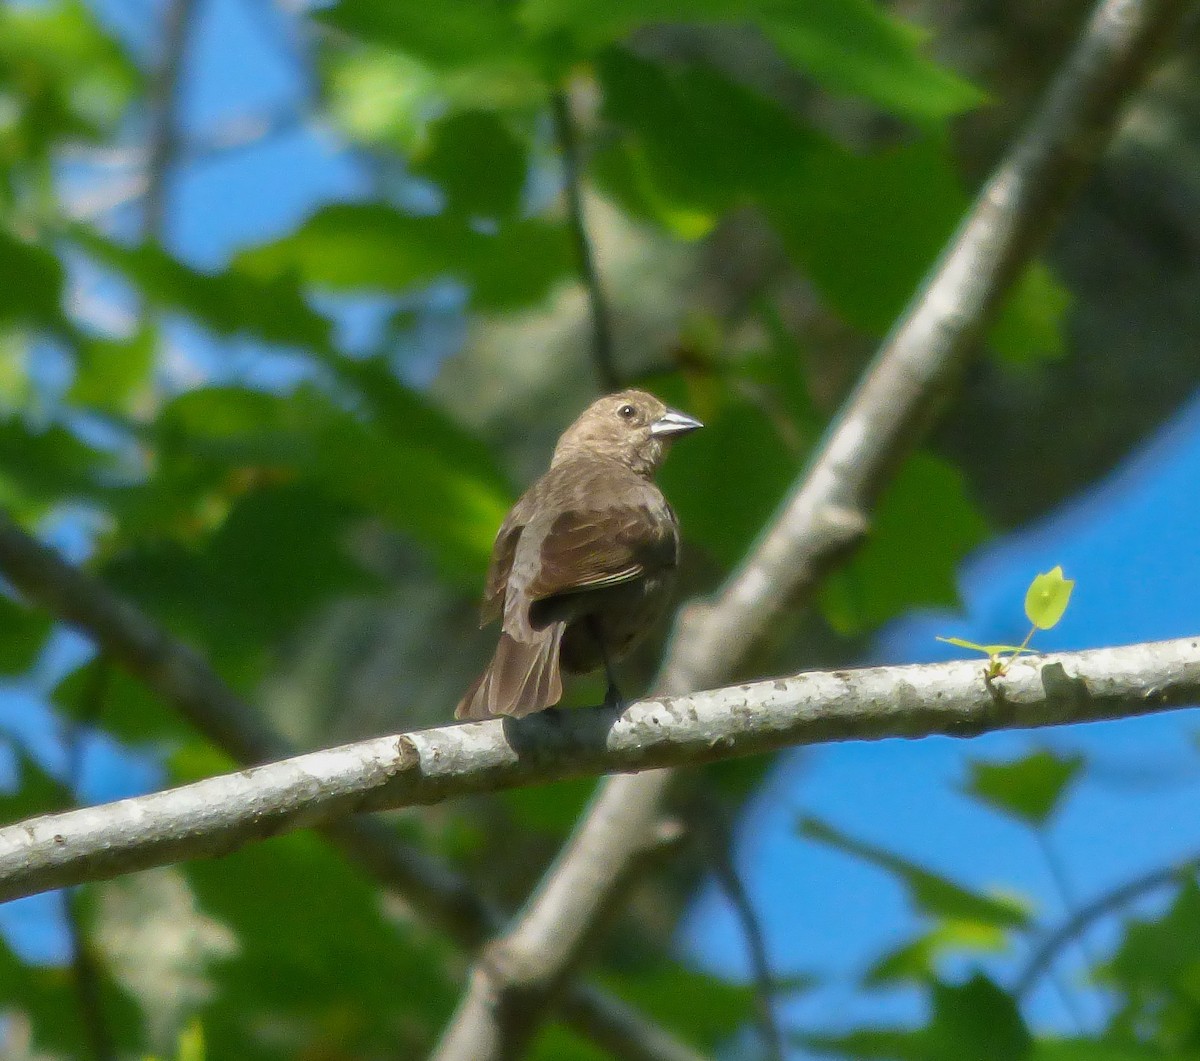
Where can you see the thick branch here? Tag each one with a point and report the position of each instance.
(214, 816)
(826, 513)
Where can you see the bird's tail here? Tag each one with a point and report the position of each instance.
(522, 678)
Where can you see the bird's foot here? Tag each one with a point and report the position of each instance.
(613, 697)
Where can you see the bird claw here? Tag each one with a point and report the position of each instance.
(613, 697)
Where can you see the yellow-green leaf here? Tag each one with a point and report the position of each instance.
(1047, 598)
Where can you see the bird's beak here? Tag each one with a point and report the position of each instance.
(674, 423)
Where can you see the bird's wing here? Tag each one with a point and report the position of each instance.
(500, 565)
(593, 548)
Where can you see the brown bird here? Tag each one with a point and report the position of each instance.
(583, 564)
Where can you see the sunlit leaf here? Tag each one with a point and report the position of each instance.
(1047, 598)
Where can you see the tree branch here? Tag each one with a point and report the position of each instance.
(825, 515)
(185, 680)
(218, 814)
(164, 100)
(1043, 958)
(568, 148)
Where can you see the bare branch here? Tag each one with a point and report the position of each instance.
(826, 513)
(216, 815)
(186, 681)
(568, 147)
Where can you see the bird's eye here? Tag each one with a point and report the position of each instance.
(627, 412)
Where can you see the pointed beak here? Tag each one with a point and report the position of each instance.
(673, 423)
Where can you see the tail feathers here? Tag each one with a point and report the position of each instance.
(522, 678)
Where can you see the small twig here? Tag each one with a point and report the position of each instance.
(1066, 894)
(164, 101)
(714, 829)
(568, 146)
(85, 973)
(1054, 942)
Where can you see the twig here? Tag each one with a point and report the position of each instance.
(85, 974)
(187, 682)
(218, 814)
(164, 101)
(568, 147)
(825, 514)
(1054, 942)
(716, 831)
(1066, 894)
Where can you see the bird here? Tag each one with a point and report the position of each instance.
(584, 562)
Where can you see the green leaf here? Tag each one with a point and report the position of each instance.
(371, 247)
(320, 969)
(924, 527)
(23, 632)
(1029, 788)
(230, 304)
(115, 375)
(31, 284)
(930, 893)
(478, 163)
(50, 466)
(976, 1021)
(988, 650)
(406, 463)
(918, 960)
(1030, 324)
(1102, 1049)
(726, 480)
(848, 46)
(128, 710)
(1047, 598)
(705, 1009)
(453, 33)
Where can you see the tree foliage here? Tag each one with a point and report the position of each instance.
(264, 496)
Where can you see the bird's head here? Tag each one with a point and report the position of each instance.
(631, 426)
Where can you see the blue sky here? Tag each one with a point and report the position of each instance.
(1130, 544)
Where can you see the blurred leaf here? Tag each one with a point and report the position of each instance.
(726, 480)
(128, 710)
(370, 247)
(918, 960)
(39, 468)
(319, 970)
(452, 33)
(1029, 788)
(922, 530)
(930, 893)
(35, 792)
(550, 809)
(65, 77)
(477, 162)
(976, 1021)
(704, 1009)
(278, 555)
(848, 46)
(31, 284)
(406, 463)
(1100, 1049)
(1047, 598)
(23, 632)
(1030, 325)
(229, 304)
(115, 375)
(1159, 958)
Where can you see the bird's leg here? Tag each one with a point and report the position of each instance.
(612, 695)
